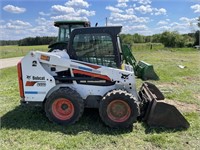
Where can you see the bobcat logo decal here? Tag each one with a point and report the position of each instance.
(125, 76)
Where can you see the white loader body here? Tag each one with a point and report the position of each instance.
(40, 69)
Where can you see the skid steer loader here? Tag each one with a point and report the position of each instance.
(91, 73)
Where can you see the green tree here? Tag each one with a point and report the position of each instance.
(196, 38)
(156, 38)
(172, 39)
(137, 38)
(197, 34)
(127, 38)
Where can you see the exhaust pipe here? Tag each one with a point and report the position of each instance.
(157, 113)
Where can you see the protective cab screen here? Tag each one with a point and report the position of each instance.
(95, 48)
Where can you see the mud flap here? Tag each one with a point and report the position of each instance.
(158, 113)
(165, 115)
(145, 71)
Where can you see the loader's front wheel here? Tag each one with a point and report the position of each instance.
(119, 109)
(64, 106)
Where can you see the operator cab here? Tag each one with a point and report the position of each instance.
(65, 29)
(97, 45)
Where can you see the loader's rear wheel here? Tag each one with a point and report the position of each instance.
(119, 109)
(64, 106)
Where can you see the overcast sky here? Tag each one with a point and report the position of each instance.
(29, 18)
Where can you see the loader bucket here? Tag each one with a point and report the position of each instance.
(157, 113)
(145, 71)
(142, 70)
(165, 115)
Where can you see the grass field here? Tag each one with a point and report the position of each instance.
(16, 51)
(147, 46)
(28, 128)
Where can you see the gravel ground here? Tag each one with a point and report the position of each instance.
(9, 62)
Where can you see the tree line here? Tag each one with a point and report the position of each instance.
(30, 41)
(36, 41)
(167, 38)
(8, 42)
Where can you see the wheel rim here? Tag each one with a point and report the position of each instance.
(118, 111)
(63, 109)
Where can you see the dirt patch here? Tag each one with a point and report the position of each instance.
(197, 97)
(169, 84)
(192, 79)
(183, 107)
(168, 87)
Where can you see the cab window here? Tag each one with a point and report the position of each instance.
(95, 48)
(65, 32)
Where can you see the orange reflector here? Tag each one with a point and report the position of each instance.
(44, 57)
(21, 89)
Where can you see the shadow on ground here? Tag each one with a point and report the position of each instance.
(150, 130)
(34, 118)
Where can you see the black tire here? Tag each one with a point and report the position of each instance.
(119, 109)
(64, 106)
